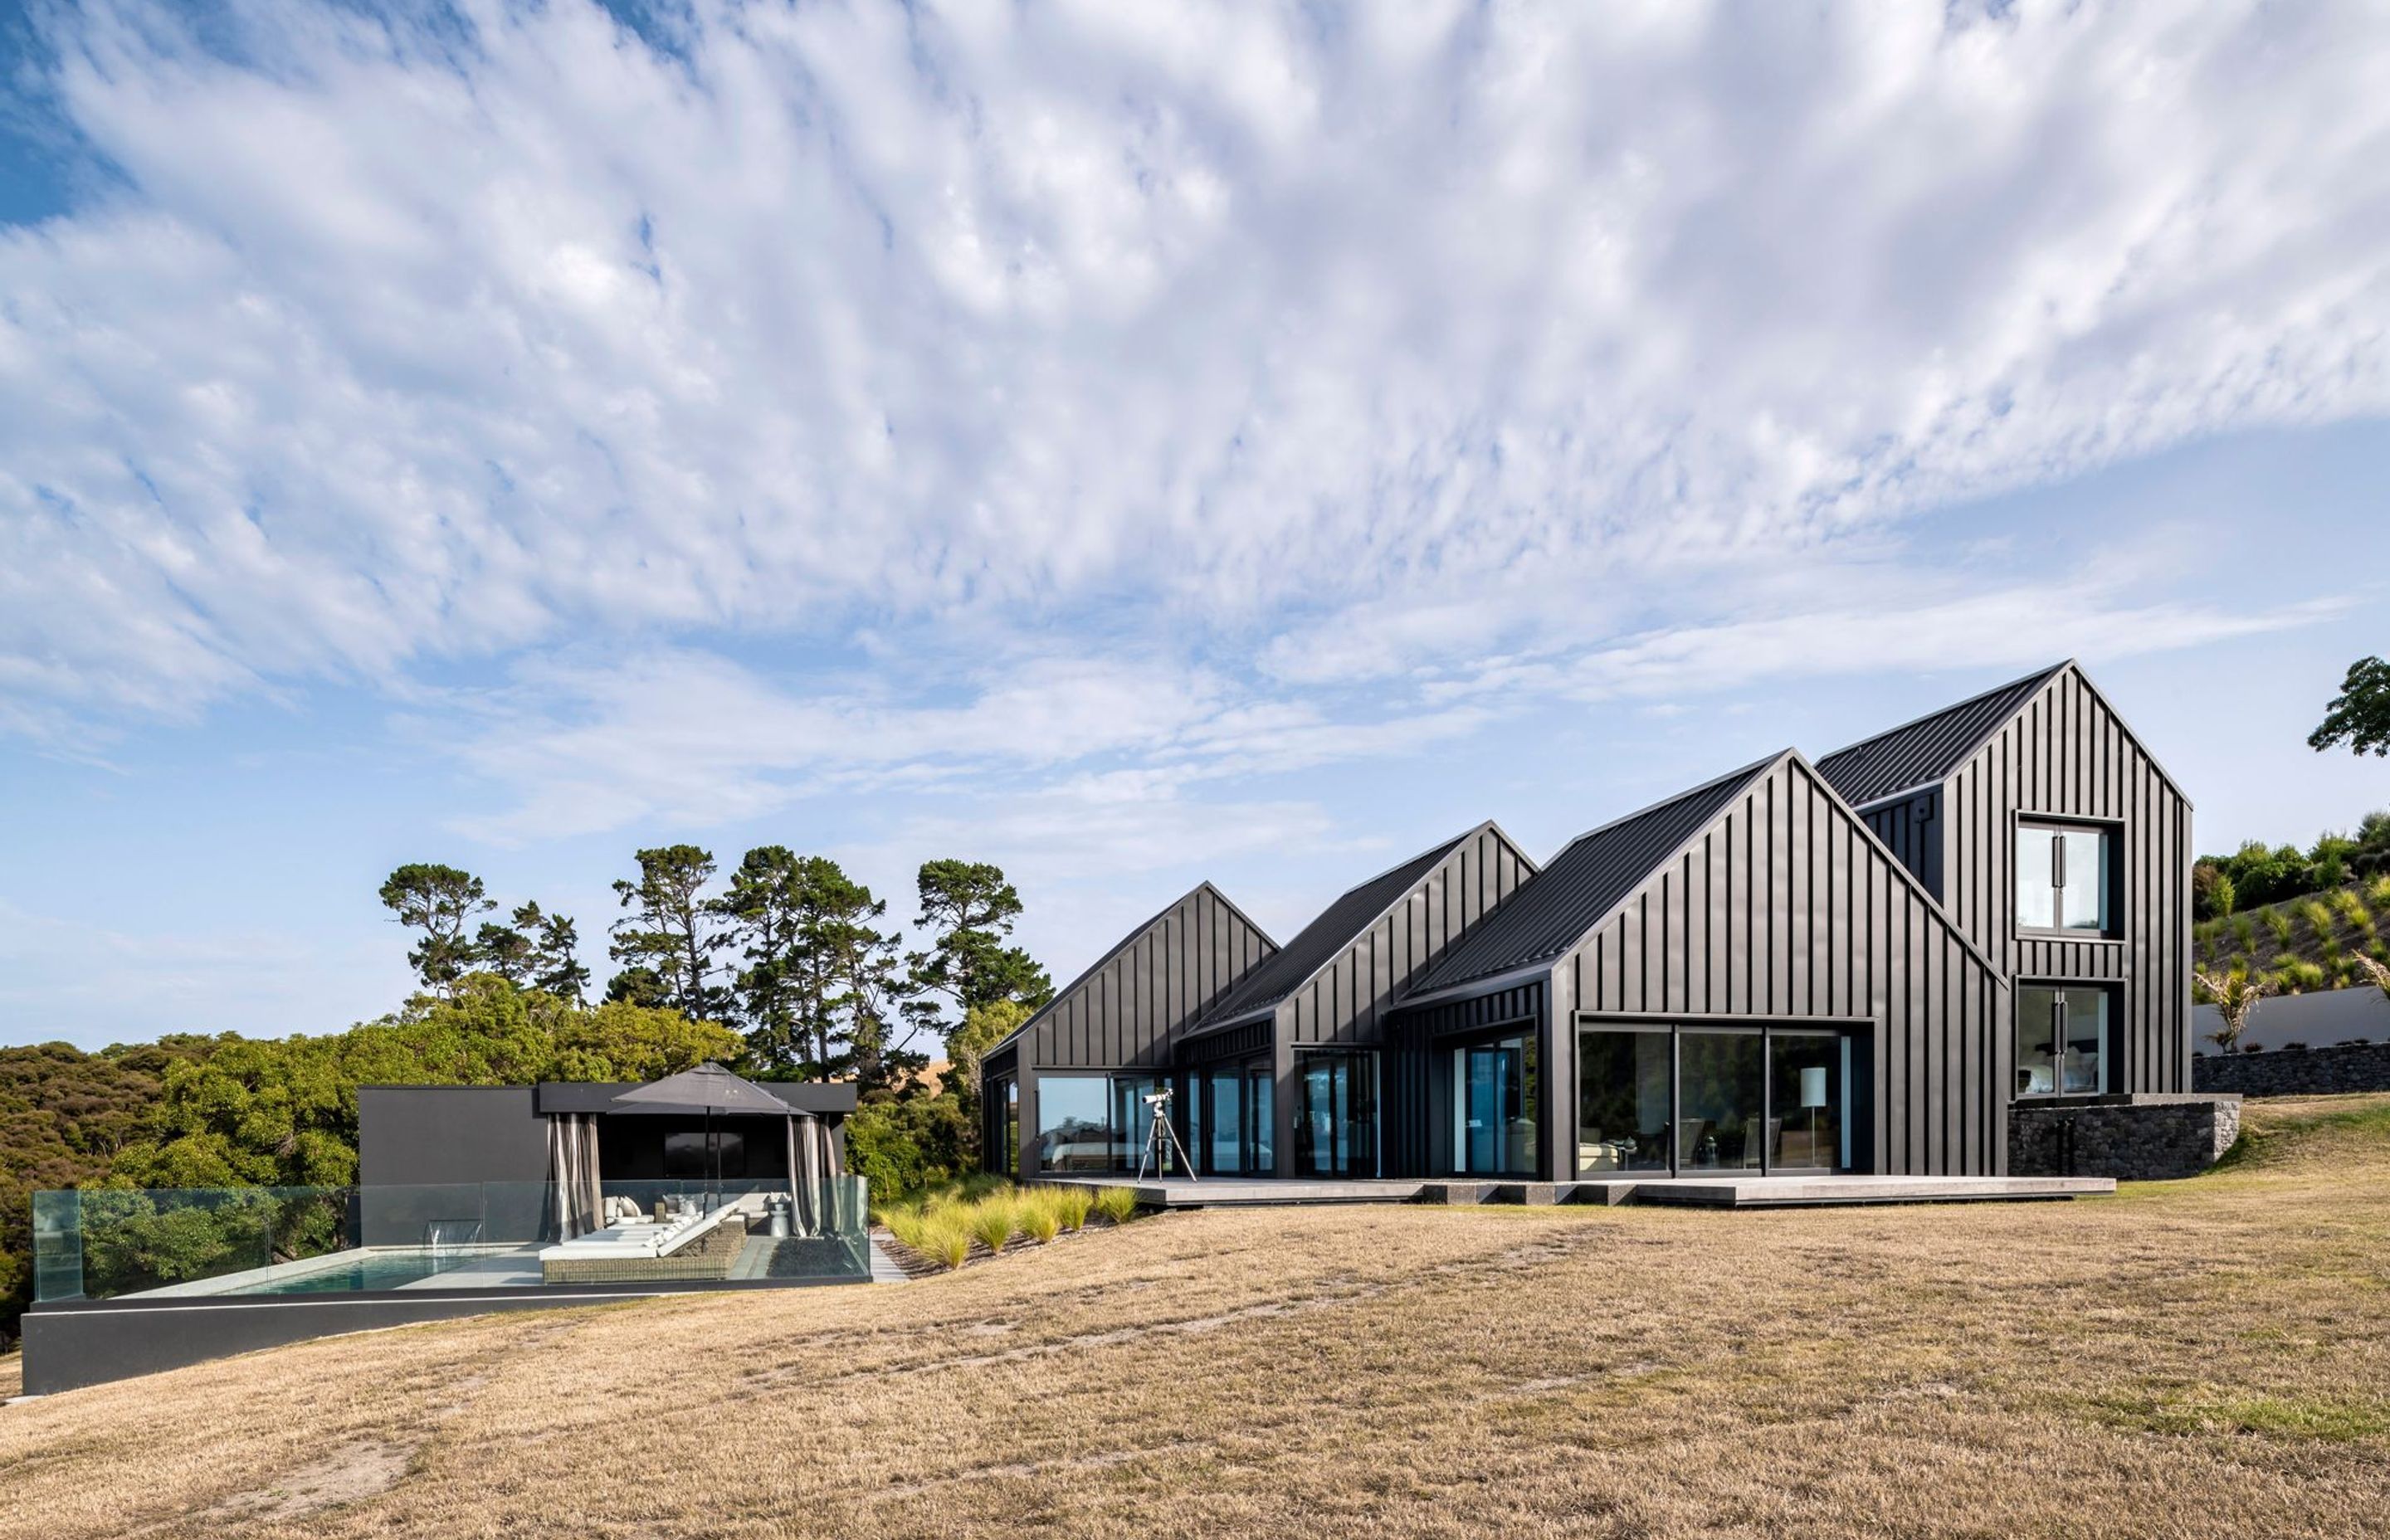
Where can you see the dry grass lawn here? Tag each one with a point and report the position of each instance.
(2209, 1358)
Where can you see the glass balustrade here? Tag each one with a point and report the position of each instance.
(102, 1243)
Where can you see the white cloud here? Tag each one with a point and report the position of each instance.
(690, 739)
(1200, 326)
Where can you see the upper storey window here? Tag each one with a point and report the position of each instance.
(2064, 877)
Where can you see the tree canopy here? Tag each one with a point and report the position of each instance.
(968, 909)
(2359, 715)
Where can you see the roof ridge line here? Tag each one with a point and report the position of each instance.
(2041, 674)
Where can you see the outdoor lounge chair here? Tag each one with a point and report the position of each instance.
(695, 1245)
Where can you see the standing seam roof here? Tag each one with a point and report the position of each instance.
(1325, 938)
(1116, 949)
(1584, 882)
(1927, 751)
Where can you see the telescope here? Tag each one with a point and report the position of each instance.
(1155, 1098)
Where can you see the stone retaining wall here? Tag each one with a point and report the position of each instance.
(2132, 1139)
(2295, 1072)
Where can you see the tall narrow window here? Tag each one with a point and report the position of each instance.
(2064, 874)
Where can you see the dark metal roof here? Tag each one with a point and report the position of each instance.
(1115, 950)
(1926, 752)
(1583, 884)
(1325, 939)
(807, 1096)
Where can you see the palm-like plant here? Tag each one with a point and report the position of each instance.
(2234, 996)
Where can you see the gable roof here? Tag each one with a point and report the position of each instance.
(1122, 945)
(1336, 927)
(1926, 752)
(1584, 882)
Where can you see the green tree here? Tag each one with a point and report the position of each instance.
(968, 909)
(64, 1115)
(440, 902)
(870, 983)
(636, 987)
(983, 1027)
(671, 927)
(777, 998)
(2359, 715)
(505, 951)
(553, 953)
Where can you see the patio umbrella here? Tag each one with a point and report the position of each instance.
(709, 1088)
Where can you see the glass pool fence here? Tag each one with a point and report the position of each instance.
(101, 1243)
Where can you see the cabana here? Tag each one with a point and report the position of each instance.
(708, 1092)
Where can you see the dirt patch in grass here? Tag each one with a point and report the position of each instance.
(350, 1474)
(2209, 1358)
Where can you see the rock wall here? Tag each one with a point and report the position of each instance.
(2295, 1072)
(2132, 1139)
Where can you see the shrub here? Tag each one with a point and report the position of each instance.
(906, 1146)
(2245, 932)
(1039, 1220)
(2350, 906)
(2377, 891)
(2211, 892)
(991, 1221)
(2299, 976)
(948, 1241)
(2317, 914)
(1117, 1204)
(907, 1222)
(2278, 922)
(1072, 1206)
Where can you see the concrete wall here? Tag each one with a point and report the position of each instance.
(2297, 1072)
(2133, 1138)
(2321, 1019)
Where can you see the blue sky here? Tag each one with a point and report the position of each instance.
(1129, 445)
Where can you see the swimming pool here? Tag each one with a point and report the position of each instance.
(382, 1267)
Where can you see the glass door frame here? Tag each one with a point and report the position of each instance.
(1353, 1061)
(1846, 1035)
(1255, 1132)
(1533, 1072)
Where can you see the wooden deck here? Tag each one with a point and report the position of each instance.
(1704, 1191)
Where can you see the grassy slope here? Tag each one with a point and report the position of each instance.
(2262, 941)
(2206, 1357)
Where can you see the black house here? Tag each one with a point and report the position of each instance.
(1860, 965)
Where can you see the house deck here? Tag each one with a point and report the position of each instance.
(1709, 1191)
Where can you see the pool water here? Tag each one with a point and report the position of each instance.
(393, 1268)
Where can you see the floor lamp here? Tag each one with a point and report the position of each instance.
(1813, 1096)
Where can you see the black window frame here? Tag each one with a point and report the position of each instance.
(1305, 1156)
(2111, 1037)
(2112, 896)
(1849, 1038)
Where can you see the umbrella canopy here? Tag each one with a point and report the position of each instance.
(706, 1088)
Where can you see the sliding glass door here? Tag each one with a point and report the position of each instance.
(1336, 1125)
(1695, 1100)
(1493, 1093)
(1237, 1118)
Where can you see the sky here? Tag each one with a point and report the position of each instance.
(1131, 443)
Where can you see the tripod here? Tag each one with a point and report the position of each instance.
(1161, 1139)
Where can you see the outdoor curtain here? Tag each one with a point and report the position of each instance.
(572, 1167)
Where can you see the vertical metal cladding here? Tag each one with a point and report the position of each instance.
(2066, 754)
(1346, 1001)
(1784, 907)
(1418, 1141)
(1129, 1009)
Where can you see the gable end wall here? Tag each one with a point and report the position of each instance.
(2066, 754)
